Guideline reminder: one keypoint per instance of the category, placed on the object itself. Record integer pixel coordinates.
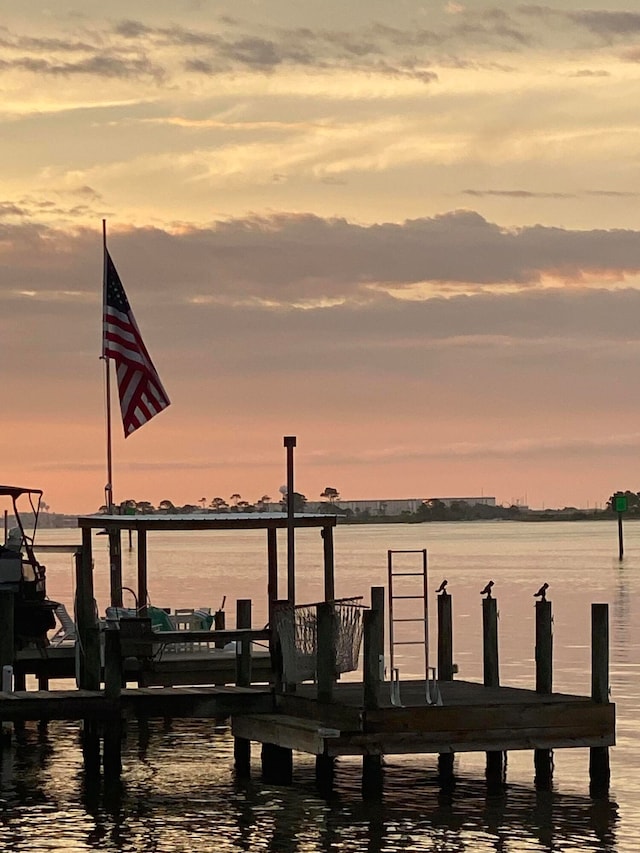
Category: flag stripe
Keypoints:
(140, 390)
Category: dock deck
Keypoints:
(472, 718)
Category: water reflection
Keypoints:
(183, 796)
(178, 791)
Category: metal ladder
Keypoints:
(432, 694)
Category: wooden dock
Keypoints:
(472, 718)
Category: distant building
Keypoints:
(389, 506)
(485, 501)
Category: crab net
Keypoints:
(297, 629)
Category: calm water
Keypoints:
(178, 790)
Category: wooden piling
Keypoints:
(445, 637)
(86, 620)
(7, 646)
(272, 570)
(373, 674)
(7, 629)
(496, 760)
(328, 563)
(277, 764)
(114, 727)
(325, 772)
(242, 746)
(599, 771)
(490, 642)
(373, 657)
(115, 566)
(325, 651)
(219, 624)
(543, 758)
(445, 673)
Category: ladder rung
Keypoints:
(398, 597)
(408, 643)
(407, 574)
(415, 619)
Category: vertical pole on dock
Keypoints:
(329, 567)
(88, 647)
(272, 570)
(445, 673)
(491, 670)
(7, 645)
(241, 745)
(373, 652)
(87, 624)
(599, 772)
(326, 675)
(445, 637)
(219, 624)
(495, 767)
(543, 758)
(115, 566)
(325, 650)
(7, 629)
(113, 727)
(373, 663)
(142, 572)
(290, 443)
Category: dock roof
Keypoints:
(205, 521)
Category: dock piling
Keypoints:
(242, 746)
(373, 651)
(445, 673)
(277, 764)
(496, 760)
(599, 771)
(543, 758)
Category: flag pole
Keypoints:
(108, 489)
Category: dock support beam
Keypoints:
(599, 772)
(242, 746)
(445, 673)
(277, 764)
(543, 758)
(373, 636)
(328, 561)
(326, 651)
(113, 728)
(7, 645)
(496, 760)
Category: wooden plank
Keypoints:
(290, 732)
(334, 715)
(200, 703)
(474, 720)
(414, 743)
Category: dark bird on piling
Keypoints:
(487, 590)
(442, 586)
(542, 592)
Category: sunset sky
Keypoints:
(406, 232)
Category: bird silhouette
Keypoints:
(542, 592)
(442, 586)
(487, 590)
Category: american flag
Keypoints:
(141, 393)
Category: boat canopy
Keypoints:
(15, 491)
